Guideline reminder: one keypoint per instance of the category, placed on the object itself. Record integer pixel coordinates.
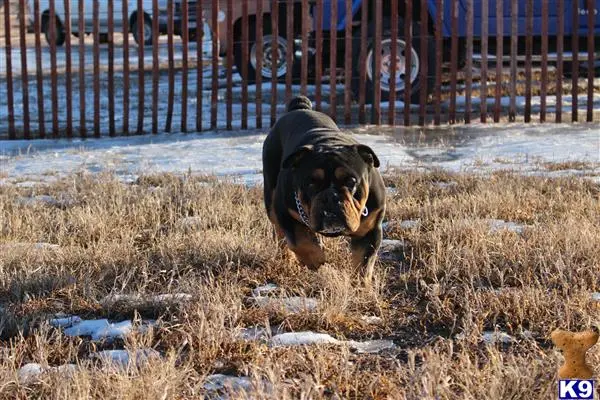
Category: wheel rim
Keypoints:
(386, 64)
(267, 62)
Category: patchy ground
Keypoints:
(171, 287)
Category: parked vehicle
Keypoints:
(427, 32)
(117, 18)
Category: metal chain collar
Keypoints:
(304, 217)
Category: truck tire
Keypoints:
(59, 30)
(147, 40)
(268, 42)
(416, 62)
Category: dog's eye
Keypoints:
(351, 183)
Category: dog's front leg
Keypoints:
(364, 251)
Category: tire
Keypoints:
(267, 53)
(416, 62)
(59, 32)
(147, 41)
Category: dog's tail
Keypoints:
(299, 103)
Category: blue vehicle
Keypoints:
(418, 31)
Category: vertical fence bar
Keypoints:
(199, 64)
(376, 109)
(454, 61)
(544, 83)
(424, 71)
(333, 60)
(53, 74)
(9, 80)
(155, 61)
(111, 68)
(184, 68)
(528, 56)
(214, 96)
(96, 34)
(514, 43)
(439, 60)
(560, 37)
(590, 51)
(230, 63)
(38, 68)
(408, 64)
(348, 66)
(24, 74)
(469, 62)
(171, 66)
(319, 53)
(364, 27)
(141, 84)
(394, 64)
(304, 60)
(289, 14)
(575, 64)
(82, 110)
(244, 70)
(259, 61)
(68, 69)
(274, 59)
(499, 56)
(484, 59)
(125, 18)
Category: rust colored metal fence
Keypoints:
(98, 67)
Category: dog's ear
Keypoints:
(367, 154)
(293, 159)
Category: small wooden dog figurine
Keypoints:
(574, 346)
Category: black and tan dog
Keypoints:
(320, 180)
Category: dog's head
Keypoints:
(332, 185)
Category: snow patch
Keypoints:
(596, 296)
(308, 338)
(410, 223)
(497, 225)
(137, 299)
(371, 319)
(65, 322)
(33, 371)
(493, 337)
(292, 305)
(123, 358)
(188, 224)
(265, 289)
(102, 329)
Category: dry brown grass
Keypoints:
(457, 278)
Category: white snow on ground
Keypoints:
(290, 305)
(32, 371)
(467, 148)
(123, 358)
(308, 338)
(99, 329)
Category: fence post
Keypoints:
(230, 62)
(82, 110)
(453, 61)
(141, 84)
(111, 68)
(274, 58)
(484, 59)
(199, 65)
(469, 62)
(348, 62)
(560, 37)
(333, 60)
(155, 61)
(499, 56)
(364, 26)
(590, 50)
(514, 43)
(39, 74)
(575, 64)
(53, 74)
(244, 71)
(96, 29)
(439, 60)
(214, 97)
(424, 71)
(528, 55)
(289, 16)
(24, 73)
(259, 62)
(184, 68)
(171, 66)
